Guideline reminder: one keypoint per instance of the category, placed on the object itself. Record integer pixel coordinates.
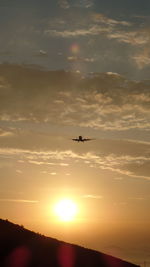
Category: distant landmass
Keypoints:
(20, 247)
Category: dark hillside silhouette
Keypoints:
(20, 247)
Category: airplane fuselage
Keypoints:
(81, 139)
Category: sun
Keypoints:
(65, 210)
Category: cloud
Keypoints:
(88, 3)
(18, 171)
(80, 59)
(93, 30)
(141, 61)
(101, 18)
(83, 3)
(7, 131)
(36, 162)
(64, 4)
(105, 101)
(142, 57)
(40, 162)
(42, 53)
(102, 27)
(132, 37)
(98, 24)
(18, 200)
(121, 157)
(137, 198)
(93, 196)
(4, 133)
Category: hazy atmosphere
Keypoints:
(71, 68)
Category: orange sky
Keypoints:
(70, 69)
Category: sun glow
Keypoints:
(65, 210)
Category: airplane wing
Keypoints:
(75, 139)
(87, 139)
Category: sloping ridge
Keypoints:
(20, 247)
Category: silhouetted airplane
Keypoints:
(81, 139)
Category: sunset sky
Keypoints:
(70, 68)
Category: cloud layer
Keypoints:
(100, 101)
(105, 101)
(128, 158)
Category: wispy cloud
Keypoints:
(99, 24)
(64, 4)
(41, 53)
(101, 18)
(36, 162)
(137, 198)
(102, 26)
(88, 3)
(83, 3)
(109, 102)
(40, 162)
(128, 165)
(92, 196)
(93, 30)
(4, 133)
(141, 61)
(81, 59)
(18, 200)
(18, 171)
(133, 38)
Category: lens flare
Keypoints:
(75, 48)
